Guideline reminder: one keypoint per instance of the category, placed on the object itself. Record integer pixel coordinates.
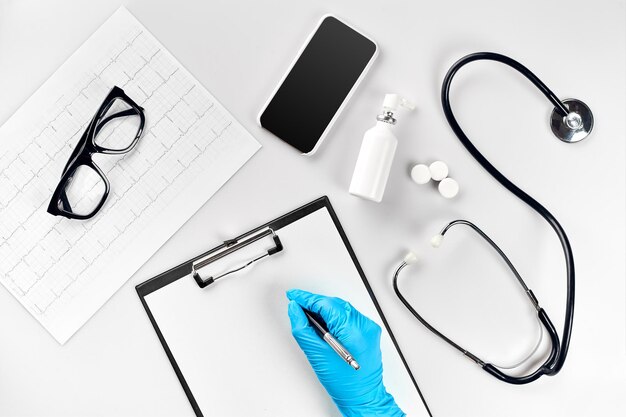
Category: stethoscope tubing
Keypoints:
(561, 353)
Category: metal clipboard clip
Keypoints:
(229, 247)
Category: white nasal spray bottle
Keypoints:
(377, 151)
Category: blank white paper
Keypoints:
(232, 340)
(61, 270)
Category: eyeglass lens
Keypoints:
(83, 192)
(118, 127)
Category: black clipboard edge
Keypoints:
(344, 237)
(170, 356)
(184, 269)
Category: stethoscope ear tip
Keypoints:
(436, 241)
(410, 258)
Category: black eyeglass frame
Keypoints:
(86, 147)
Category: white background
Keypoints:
(115, 366)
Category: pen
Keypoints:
(321, 329)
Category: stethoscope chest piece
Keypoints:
(574, 127)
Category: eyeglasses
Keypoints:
(114, 129)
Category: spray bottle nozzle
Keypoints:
(391, 104)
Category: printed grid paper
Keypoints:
(64, 270)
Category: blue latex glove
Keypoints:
(356, 393)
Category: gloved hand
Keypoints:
(356, 393)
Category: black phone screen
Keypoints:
(318, 84)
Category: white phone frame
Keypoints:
(348, 96)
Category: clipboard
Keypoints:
(229, 359)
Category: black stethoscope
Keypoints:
(571, 121)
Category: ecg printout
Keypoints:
(64, 270)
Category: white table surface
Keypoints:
(114, 365)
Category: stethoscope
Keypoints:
(571, 121)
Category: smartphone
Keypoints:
(318, 84)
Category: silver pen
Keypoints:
(321, 329)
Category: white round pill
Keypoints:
(438, 170)
(420, 174)
(448, 188)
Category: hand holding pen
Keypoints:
(319, 325)
(355, 392)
